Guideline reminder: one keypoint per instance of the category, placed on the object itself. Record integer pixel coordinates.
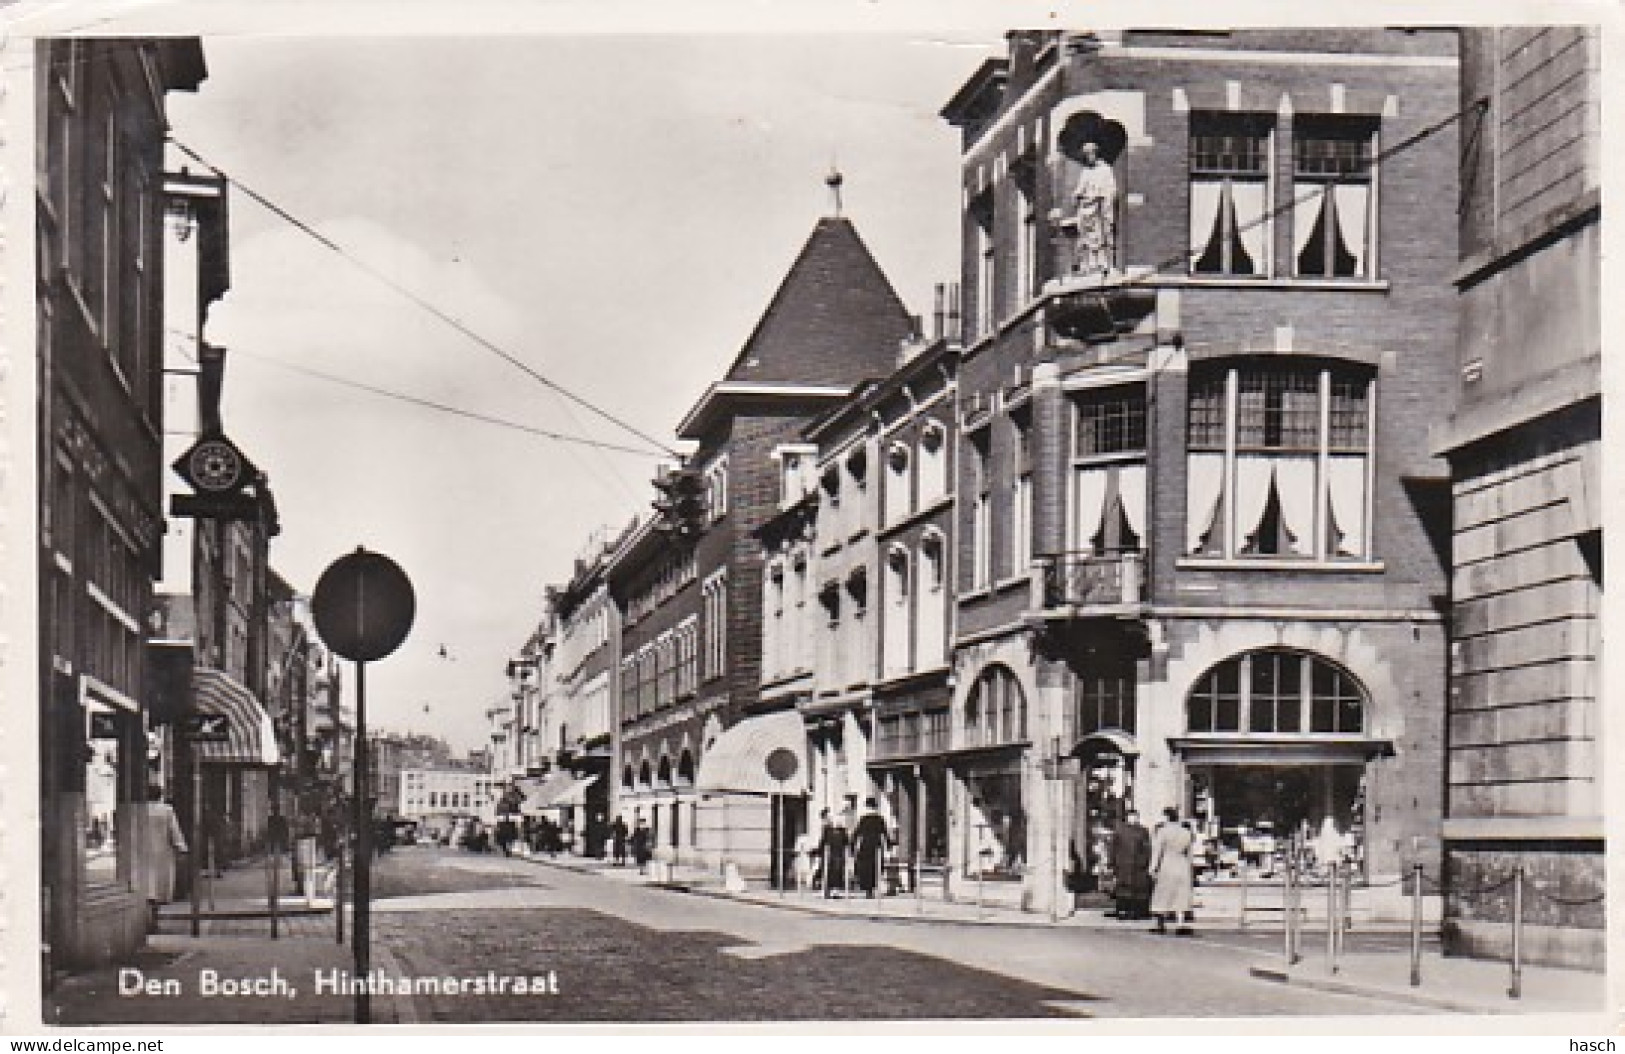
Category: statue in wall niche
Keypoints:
(1094, 203)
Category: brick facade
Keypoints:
(1374, 618)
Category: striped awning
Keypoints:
(737, 761)
(250, 739)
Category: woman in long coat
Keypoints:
(1171, 869)
(1131, 867)
(832, 846)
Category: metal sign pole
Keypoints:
(363, 849)
(197, 839)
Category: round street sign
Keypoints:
(363, 606)
(782, 765)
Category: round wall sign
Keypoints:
(216, 466)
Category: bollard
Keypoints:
(1331, 920)
(1416, 924)
(1241, 911)
(1345, 882)
(1516, 991)
(1286, 913)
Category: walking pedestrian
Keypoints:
(1131, 868)
(617, 841)
(832, 848)
(164, 846)
(1171, 895)
(641, 847)
(869, 843)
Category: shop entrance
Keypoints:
(1101, 796)
(1253, 815)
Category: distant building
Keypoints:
(438, 797)
(1526, 761)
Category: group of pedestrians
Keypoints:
(860, 852)
(637, 839)
(1154, 874)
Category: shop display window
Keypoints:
(996, 846)
(102, 765)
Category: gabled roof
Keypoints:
(835, 319)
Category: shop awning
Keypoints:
(250, 739)
(557, 791)
(737, 761)
(1218, 749)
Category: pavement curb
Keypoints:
(1344, 986)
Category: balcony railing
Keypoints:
(1088, 580)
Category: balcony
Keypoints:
(1084, 585)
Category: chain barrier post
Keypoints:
(1331, 919)
(1345, 899)
(1286, 912)
(1516, 990)
(1416, 924)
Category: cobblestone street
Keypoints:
(625, 952)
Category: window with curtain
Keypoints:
(1278, 460)
(1333, 204)
(1108, 473)
(1230, 156)
(1021, 494)
(985, 259)
(1277, 692)
(1024, 175)
(981, 525)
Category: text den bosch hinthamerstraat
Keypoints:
(274, 984)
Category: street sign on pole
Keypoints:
(782, 765)
(363, 608)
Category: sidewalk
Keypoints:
(243, 892)
(1459, 985)
(1472, 986)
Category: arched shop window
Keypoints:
(996, 708)
(1277, 691)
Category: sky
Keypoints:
(615, 210)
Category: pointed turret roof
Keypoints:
(835, 319)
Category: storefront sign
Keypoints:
(206, 728)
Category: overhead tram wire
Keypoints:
(430, 404)
(424, 304)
